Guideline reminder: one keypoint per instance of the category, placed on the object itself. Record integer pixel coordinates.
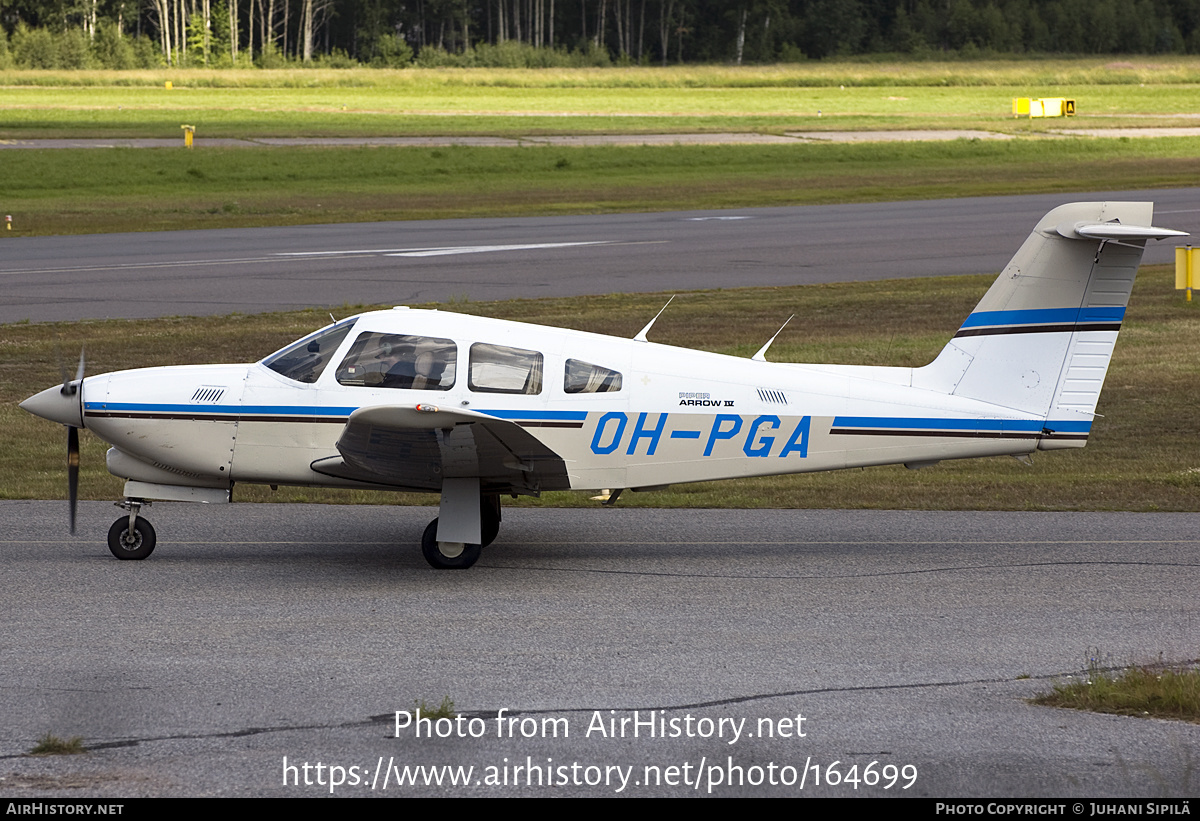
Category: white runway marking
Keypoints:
(443, 250)
(283, 256)
(480, 249)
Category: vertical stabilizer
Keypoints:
(1041, 338)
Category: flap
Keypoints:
(417, 446)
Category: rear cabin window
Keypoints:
(584, 377)
(379, 360)
(305, 360)
(497, 369)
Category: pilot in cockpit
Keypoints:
(396, 366)
(399, 361)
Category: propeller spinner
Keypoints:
(65, 406)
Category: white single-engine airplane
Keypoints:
(476, 408)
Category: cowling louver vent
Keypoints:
(774, 397)
(207, 393)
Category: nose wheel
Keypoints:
(131, 537)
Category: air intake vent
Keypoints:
(177, 471)
(207, 393)
(774, 397)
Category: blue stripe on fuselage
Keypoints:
(1043, 316)
(244, 410)
(305, 410)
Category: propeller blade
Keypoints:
(72, 472)
(62, 368)
(71, 387)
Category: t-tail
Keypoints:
(1042, 337)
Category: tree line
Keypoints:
(533, 33)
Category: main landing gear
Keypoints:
(131, 537)
(451, 555)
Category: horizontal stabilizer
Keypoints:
(1115, 231)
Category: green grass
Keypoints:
(444, 710)
(108, 190)
(1134, 70)
(53, 745)
(1143, 453)
(372, 102)
(32, 112)
(1150, 692)
(81, 191)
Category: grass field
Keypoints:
(31, 112)
(1132, 70)
(373, 102)
(107, 190)
(1143, 453)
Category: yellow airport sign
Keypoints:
(1187, 265)
(1043, 107)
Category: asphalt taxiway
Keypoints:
(259, 632)
(266, 269)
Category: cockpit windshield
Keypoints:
(306, 359)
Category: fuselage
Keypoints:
(619, 412)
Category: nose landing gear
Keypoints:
(131, 537)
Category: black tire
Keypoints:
(446, 555)
(139, 546)
(489, 519)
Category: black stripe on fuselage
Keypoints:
(961, 434)
(1040, 329)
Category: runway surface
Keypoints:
(268, 269)
(259, 632)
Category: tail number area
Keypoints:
(694, 436)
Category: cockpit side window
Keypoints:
(379, 360)
(584, 377)
(305, 360)
(498, 369)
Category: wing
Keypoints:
(416, 447)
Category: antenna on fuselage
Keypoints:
(761, 356)
(641, 335)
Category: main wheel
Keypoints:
(125, 545)
(489, 519)
(447, 555)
